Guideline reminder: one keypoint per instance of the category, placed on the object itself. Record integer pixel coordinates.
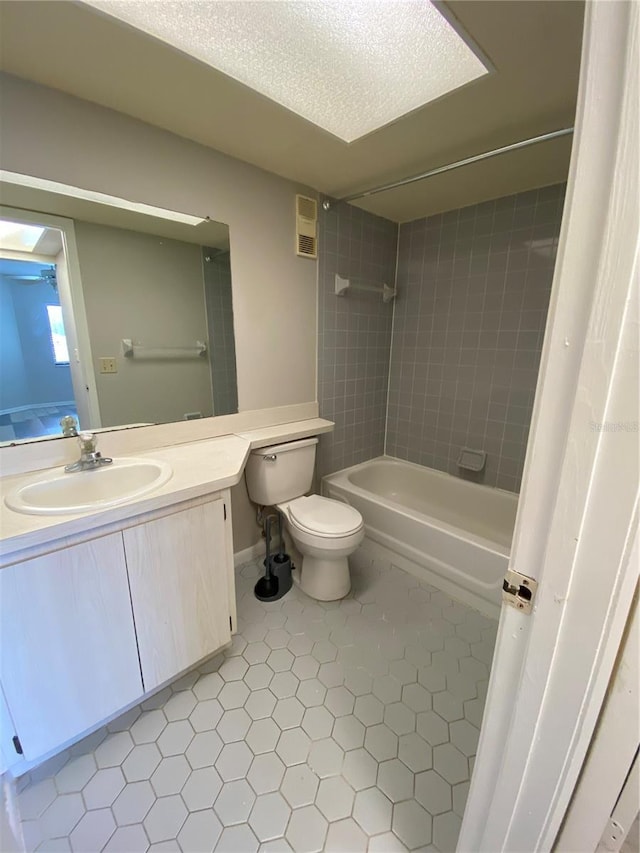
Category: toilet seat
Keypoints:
(324, 517)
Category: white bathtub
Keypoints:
(454, 534)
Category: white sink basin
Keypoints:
(82, 491)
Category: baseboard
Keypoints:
(248, 554)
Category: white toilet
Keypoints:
(325, 531)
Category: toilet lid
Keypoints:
(324, 516)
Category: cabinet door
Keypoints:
(69, 656)
(178, 575)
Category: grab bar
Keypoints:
(131, 350)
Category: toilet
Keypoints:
(325, 532)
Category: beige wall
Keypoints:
(52, 135)
(149, 289)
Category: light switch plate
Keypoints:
(108, 365)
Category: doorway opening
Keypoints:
(36, 390)
(43, 391)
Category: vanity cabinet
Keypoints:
(179, 579)
(91, 628)
(69, 654)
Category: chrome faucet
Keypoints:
(90, 458)
(69, 425)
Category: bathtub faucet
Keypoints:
(90, 458)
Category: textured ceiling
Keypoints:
(533, 46)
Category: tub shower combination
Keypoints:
(449, 532)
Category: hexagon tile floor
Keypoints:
(347, 726)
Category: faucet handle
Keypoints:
(87, 441)
(69, 425)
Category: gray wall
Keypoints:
(14, 390)
(354, 335)
(474, 288)
(149, 289)
(42, 380)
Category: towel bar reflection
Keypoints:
(131, 350)
(345, 284)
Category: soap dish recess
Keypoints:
(472, 460)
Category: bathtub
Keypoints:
(451, 533)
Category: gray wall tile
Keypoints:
(474, 288)
(219, 305)
(354, 335)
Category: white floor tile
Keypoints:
(360, 769)
(260, 704)
(170, 775)
(412, 824)
(133, 803)
(345, 836)
(395, 780)
(204, 749)
(372, 811)
(165, 818)
(266, 773)
(338, 726)
(335, 798)
(300, 785)
(307, 830)
(103, 788)
(234, 802)
(201, 789)
(93, 831)
(293, 746)
(200, 831)
(126, 839)
(269, 816)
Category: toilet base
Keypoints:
(325, 580)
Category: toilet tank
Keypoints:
(281, 472)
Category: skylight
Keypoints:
(18, 237)
(350, 67)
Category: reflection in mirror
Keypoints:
(110, 325)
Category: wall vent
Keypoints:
(306, 227)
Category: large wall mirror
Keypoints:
(111, 313)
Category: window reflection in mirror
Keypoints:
(73, 289)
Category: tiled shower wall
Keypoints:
(474, 288)
(222, 346)
(354, 335)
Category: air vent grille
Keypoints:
(307, 246)
(307, 207)
(306, 227)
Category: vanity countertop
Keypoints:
(199, 468)
(264, 436)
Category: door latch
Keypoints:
(519, 591)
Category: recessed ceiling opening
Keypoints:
(18, 237)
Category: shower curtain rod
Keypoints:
(524, 143)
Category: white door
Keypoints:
(178, 572)
(69, 656)
(577, 518)
(606, 800)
